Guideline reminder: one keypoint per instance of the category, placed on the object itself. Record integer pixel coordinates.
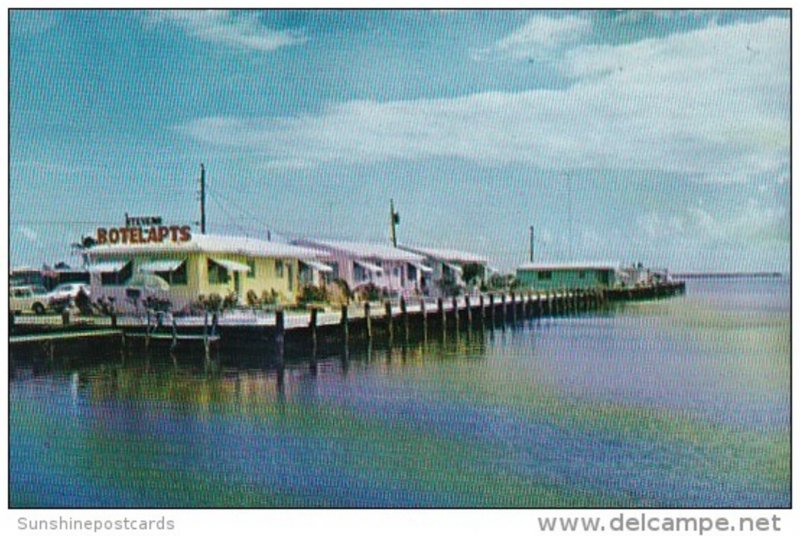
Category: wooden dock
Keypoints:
(280, 333)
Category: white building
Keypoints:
(449, 264)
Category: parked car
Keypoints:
(68, 290)
(28, 298)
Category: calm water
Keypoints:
(681, 402)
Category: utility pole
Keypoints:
(202, 199)
(531, 246)
(394, 219)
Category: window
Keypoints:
(217, 274)
(177, 276)
(289, 272)
(115, 279)
(412, 272)
(360, 273)
(252, 264)
(545, 276)
(335, 272)
(279, 268)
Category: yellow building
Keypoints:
(182, 272)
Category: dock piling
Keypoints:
(368, 320)
(279, 336)
(345, 325)
(389, 321)
(312, 325)
(424, 313)
(442, 315)
(404, 317)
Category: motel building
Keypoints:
(552, 276)
(399, 272)
(449, 263)
(181, 267)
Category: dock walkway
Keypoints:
(251, 329)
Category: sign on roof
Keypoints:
(143, 235)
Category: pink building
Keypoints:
(398, 272)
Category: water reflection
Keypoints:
(673, 403)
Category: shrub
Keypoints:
(213, 302)
(448, 286)
(252, 298)
(340, 293)
(269, 297)
(230, 301)
(311, 293)
(369, 292)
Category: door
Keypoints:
(237, 285)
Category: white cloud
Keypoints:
(238, 30)
(544, 32)
(541, 38)
(696, 103)
(755, 222)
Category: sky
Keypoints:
(653, 136)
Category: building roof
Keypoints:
(450, 255)
(209, 243)
(578, 265)
(364, 250)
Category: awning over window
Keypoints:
(231, 266)
(107, 267)
(374, 268)
(456, 268)
(318, 266)
(421, 267)
(161, 266)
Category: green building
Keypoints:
(573, 275)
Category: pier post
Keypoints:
(455, 311)
(442, 314)
(468, 307)
(368, 320)
(345, 325)
(175, 336)
(424, 317)
(482, 310)
(404, 317)
(279, 336)
(389, 321)
(312, 324)
(492, 308)
(513, 307)
(113, 319)
(505, 306)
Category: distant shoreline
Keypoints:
(727, 275)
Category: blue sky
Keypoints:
(620, 135)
